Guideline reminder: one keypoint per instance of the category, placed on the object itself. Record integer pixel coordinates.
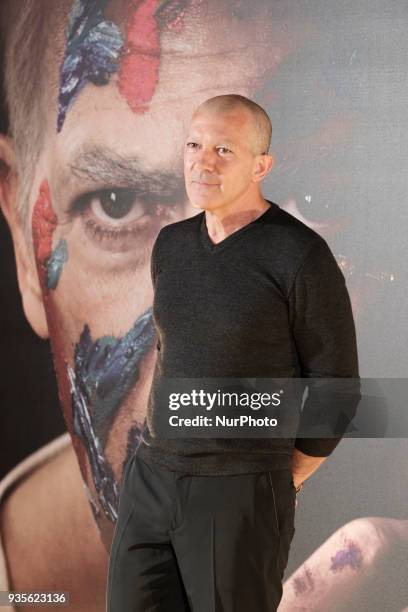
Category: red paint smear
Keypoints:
(44, 222)
(139, 66)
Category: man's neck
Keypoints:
(219, 226)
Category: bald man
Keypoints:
(242, 289)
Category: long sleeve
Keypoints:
(324, 333)
(154, 268)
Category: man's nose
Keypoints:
(206, 160)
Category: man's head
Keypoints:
(226, 152)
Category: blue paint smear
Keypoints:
(91, 55)
(351, 557)
(54, 264)
(104, 372)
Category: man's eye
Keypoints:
(191, 145)
(223, 150)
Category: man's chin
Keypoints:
(203, 205)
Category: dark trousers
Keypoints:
(200, 543)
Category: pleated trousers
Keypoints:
(200, 543)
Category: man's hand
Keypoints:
(303, 466)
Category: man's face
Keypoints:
(107, 180)
(219, 161)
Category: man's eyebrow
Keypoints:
(225, 141)
(99, 164)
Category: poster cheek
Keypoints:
(50, 264)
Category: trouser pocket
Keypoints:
(274, 504)
(284, 494)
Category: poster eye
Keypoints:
(111, 205)
(116, 203)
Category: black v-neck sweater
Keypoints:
(268, 301)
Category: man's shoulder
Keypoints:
(30, 464)
(290, 237)
(289, 225)
(15, 481)
(43, 510)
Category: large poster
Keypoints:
(96, 98)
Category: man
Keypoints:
(241, 290)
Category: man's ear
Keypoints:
(28, 281)
(263, 165)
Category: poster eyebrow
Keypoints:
(102, 165)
